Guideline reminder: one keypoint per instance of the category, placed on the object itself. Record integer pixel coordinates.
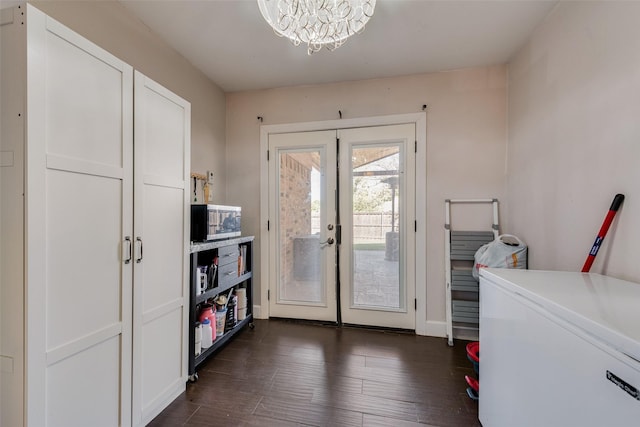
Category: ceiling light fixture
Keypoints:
(318, 23)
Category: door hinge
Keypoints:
(267, 155)
(268, 294)
(268, 225)
(415, 146)
(415, 226)
(415, 304)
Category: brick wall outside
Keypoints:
(295, 210)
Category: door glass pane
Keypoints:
(299, 216)
(376, 195)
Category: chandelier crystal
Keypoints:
(318, 23)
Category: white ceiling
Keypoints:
(231, 43)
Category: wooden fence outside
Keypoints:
(367, 227)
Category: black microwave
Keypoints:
(212, 222)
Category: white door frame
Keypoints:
(420, 121)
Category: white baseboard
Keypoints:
(257, 313)
(435, 329)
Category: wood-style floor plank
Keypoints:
(367, 404)
(287, 373)
(306, 412)
(377, 421)
(207, 417)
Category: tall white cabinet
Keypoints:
(94, 220)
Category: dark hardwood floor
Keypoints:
(286, 373)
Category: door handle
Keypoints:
(139, 240)
(126, 249)
(327, 242)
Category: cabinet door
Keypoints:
(160, 314)
(78, 211)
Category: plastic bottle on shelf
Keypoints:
(206, 334)
(208, 311)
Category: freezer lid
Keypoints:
(603, 306)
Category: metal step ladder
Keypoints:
(462, 290)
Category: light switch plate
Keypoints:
(210, 177)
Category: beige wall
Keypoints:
(109, 25)
(573, 110)
(574, 137)
(466, 139)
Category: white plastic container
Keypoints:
(198, 286)
(206, 334)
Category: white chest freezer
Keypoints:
(558, 349)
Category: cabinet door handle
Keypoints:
(126, 249)
(139, 240)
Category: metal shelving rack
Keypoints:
(201, 254)
(462, 290)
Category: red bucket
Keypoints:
(473, 354)
(473, 351)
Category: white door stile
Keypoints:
(35, 224)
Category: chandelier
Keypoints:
(318, 23)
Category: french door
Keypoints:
(342, 209)
(377, 216)
(302, 192)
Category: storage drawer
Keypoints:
(227, 254)
(228, 273)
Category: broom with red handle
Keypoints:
(617, 201)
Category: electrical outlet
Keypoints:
(210, 177)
